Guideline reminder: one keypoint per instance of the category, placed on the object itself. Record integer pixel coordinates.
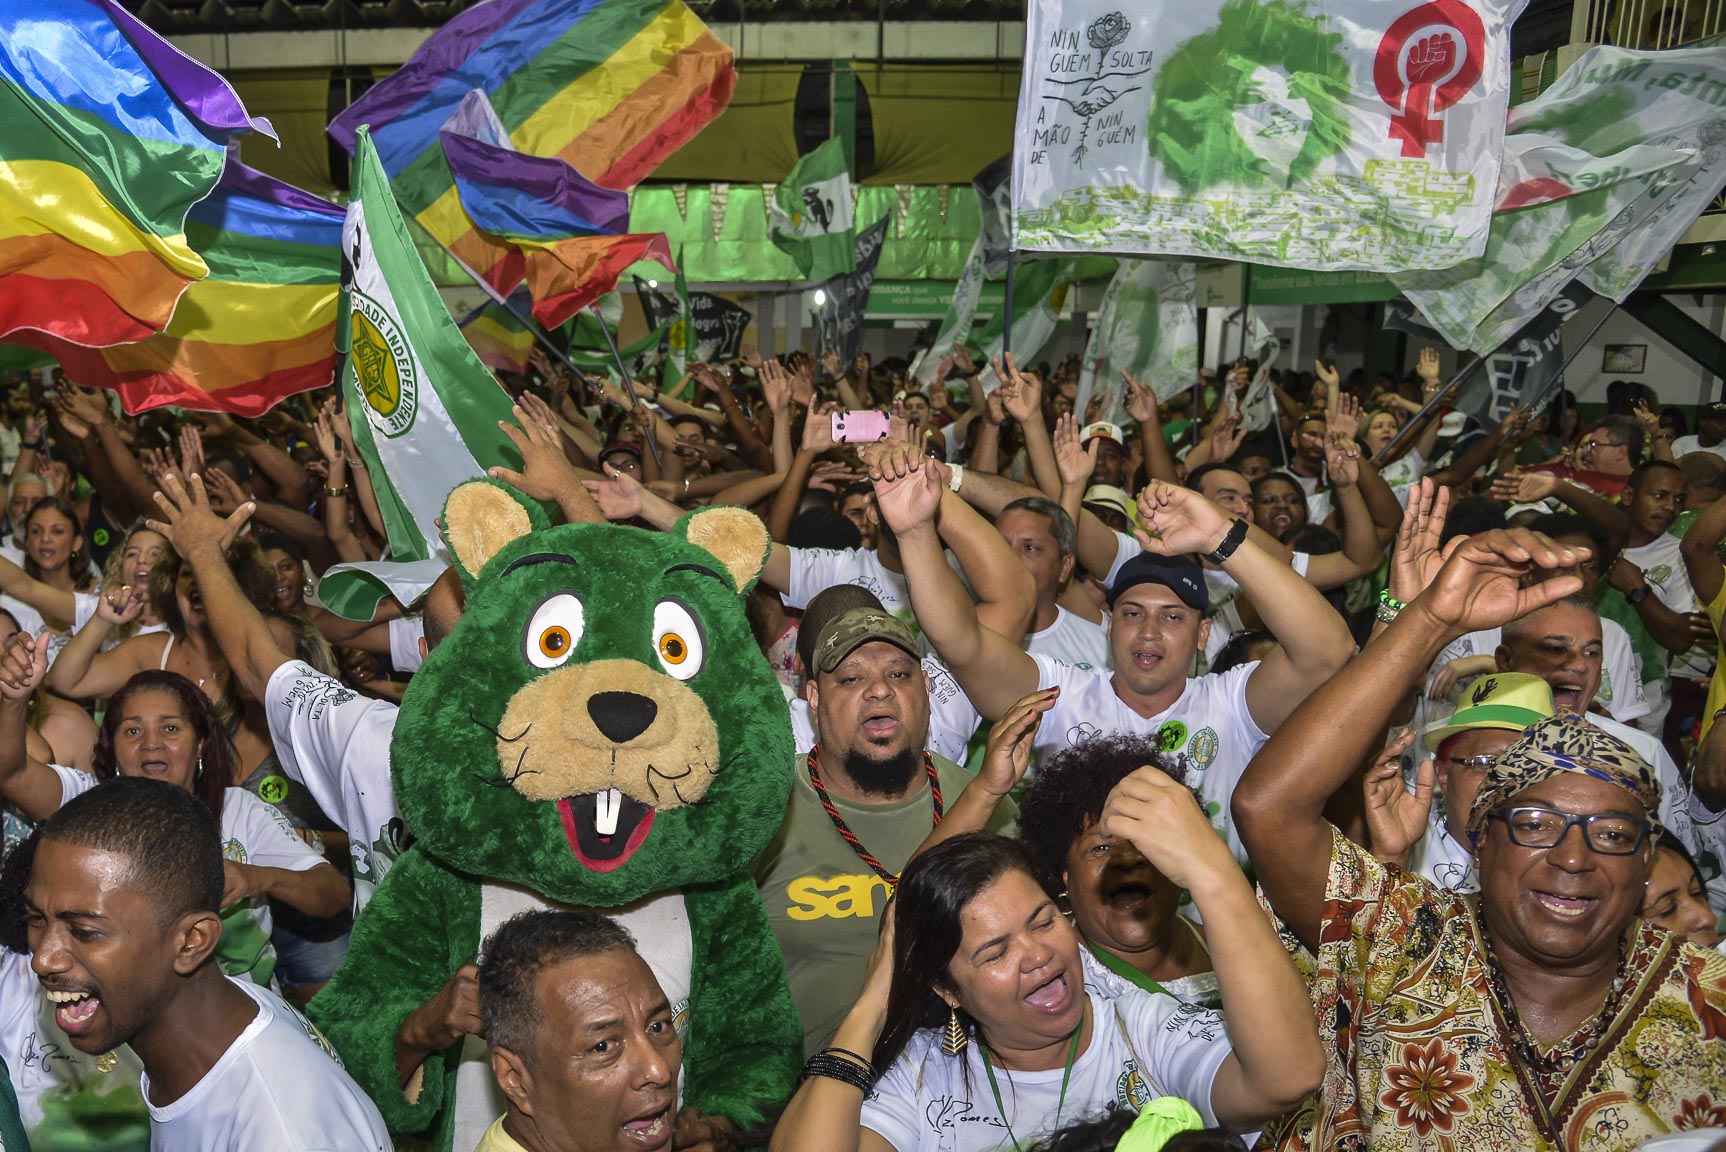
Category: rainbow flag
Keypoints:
(611, 87)
(568, 229)
(501, 340)
(108, 135)
(262, 325)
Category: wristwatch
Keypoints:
(1636, 596)
(1231, 541)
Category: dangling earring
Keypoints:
(953, 1038)
(200, 767)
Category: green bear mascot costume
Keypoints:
(598, 730)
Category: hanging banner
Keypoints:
(838, 321)
(1336, 134)
(1146, 327)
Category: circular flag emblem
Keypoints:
(383, 367)
(272, 789)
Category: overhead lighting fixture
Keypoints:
(820, 298)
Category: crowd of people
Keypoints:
(1350, 782)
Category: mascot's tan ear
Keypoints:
(736, 538)
(479, 518)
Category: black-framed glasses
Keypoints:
(1596, 445)
(1608, 833)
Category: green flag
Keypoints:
(1039, 296)
(813, 219)
(1147, 327)
(431, 408)
(1601, 175)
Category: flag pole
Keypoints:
(1406, 430)
(628, 384)
(527, 322)
(1007, 303)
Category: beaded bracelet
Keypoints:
(1388, 606)
(838, 1068)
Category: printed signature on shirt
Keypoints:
(950, 1111)
(318, 693)
(47, 1056)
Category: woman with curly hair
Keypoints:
(1127, 912)
(128, 566)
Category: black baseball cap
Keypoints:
(1185, 578)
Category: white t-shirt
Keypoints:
(1142, 1046)
(1071, 639)
(1620, 692)
(1439, 857)
(278, 1088)
(1209, 729)
(253, 832)
(1662, 563)
(40, 1058)
(952, 718)
(1685, 445)
(815, 570)
(406, 632)
(337, 743)
(1402, 472)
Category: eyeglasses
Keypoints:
(1608, 833)
(1481, 763)
(1593, 445)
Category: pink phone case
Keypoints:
(864, 426)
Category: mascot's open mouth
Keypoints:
(604, 828)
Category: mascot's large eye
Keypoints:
(677, 640)
(553, 632)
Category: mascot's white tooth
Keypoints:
(606, 807)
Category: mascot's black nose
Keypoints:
(621, 716)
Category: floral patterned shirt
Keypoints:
(1419, 1058)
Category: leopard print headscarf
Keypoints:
(1565, 744)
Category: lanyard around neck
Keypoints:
(1060, 1103)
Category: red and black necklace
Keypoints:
(844, 829)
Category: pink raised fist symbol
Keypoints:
(1431, 58)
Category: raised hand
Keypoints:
(190, 522)
(226, 495)
(775, 387)
(818, 429)
(1075, 462)
(1164, 822)
(448, 1016)
(1141, 401)
(1008, 752)
(1024, 402)
(619, 498)
(1227, 436)
(1327, 374)
(546, 473)
(1426, 367)
(120, 605)
(1395, 817)
(1524, 487)
(1344, 418)
(329, 445)
(1341, 458)
(191, 450)
(1417, 556)
(23, 664)
(1492, 578)
(1178, 520)
(907, 489)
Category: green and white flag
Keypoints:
(1322, 134)
(1148, 327)
(1039, 297)
(813, 217)
(430, 406)
(988, 257)
(1602, 174)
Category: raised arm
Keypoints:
(1277, 1059)
(1313, 641)
(201, 538)
(52, 602)
(1022, 397)
(82, 671)
(1142, 407)
(1701, 552)
(993, 670)
(1279, 804)
(1361, 551)
(546, 473)
(25, 782)
(1006, 593)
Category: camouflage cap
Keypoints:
(848, 632)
